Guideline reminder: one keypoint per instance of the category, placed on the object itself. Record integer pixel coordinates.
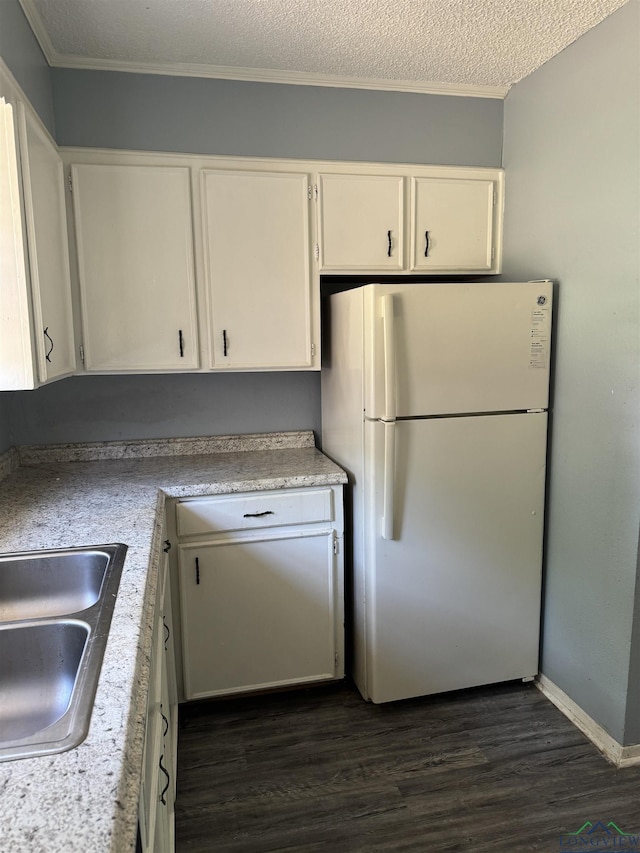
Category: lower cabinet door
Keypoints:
(258, 612)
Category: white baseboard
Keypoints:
(621, 756)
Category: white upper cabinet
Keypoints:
(409, 219)
(452, 224)
(361, 222)
(46, 220)
(258, 260)
(135, 265)
(36, 321)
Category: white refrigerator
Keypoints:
(434, 400)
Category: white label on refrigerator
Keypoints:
(540, 335)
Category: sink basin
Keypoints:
(55, 613)
(39, 666)
(51, 583)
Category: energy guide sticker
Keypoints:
(540, 335)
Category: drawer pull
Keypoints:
(258, 514)
(197, 570)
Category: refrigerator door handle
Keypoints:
(389, 351)
(389, 479)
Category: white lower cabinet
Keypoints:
(262, 590)
(158, 788)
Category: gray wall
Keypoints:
(572, 157)
(107, 109)
(186, 114)
(21, 52)
(98, 408)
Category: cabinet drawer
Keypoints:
(260, 509)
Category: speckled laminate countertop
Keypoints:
(86, 799)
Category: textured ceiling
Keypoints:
(485, 43)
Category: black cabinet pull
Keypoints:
(166, 723)
(50, 339)
(167, 546)
(166, 787)
(197, 570)
(225, 343)
(168, 633)
(258, 514)
(390, 244)
(426, 244)
(181, 343)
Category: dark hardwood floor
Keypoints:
(496, 768)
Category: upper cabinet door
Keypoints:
(16, 353)
(48, 249)
(135, 265)
(453, 224)
(361, 222)
(258, 262)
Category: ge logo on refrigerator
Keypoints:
(542, 300)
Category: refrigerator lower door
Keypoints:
(453, 600)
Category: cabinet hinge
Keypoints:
(313, 350)
(70, 182)
(493, 252)
(336, 659)
(82, 353)
(316, 252)
(495, 198)
(336, 547)
(309, 192)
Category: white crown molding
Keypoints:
(253, 75)
(621, 756)
(35, 22)
(269, 75)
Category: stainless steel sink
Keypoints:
(50, 584)
(55, 613)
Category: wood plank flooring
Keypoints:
(495, 768)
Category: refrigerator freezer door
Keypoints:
(458, 348)
(453, 600)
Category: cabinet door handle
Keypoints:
(166, 723)
(167, 546)
(166, 787)
(181, 343)
(50, 339)
(197, 570)
(390, 244)
(426, 244)
(225, 343)
(168, 632)
(258, 514)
